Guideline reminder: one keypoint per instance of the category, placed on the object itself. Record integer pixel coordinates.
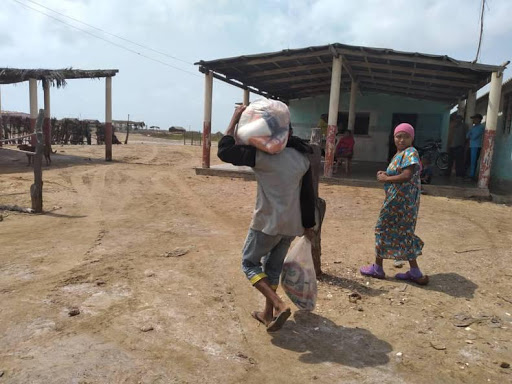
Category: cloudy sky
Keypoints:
(191, 30)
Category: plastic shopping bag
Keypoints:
(264, 124)
(298, 277)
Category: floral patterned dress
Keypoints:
(394, 232)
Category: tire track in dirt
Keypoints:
(216, 219)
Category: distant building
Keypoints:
(121, 125)
(177, 130)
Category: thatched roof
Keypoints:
(15, 114)
(56, 77)
(299, 73)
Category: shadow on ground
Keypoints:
(319, 340)
(350, 284)
(12, 162)
(452, 284)
(63, 216)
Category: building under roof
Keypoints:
(298, 73)
(329, 70)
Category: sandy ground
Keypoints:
(143, 243)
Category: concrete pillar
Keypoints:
(352, 106)
(47, 133)
(334, 101)
(108, 118)
(460, 107)
(491, 122)
(470, 107)
(246, 96)
(32, 88)
(207, 122)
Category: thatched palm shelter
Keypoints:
(57, 78)
(313, 71)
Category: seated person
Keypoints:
(426, 171)
(322, 124)
(345, 151)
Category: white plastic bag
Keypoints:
(298, 277)
(264, 124)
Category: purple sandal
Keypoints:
(421, 280)
(372, 271)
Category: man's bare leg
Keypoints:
(272, 302)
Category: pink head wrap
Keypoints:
(405, 127)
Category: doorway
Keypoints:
(398, 118)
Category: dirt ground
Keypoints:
(150, 255)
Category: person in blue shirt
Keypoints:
(475, 135)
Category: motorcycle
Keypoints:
(433, 151)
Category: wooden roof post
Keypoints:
(491, 121)
(315, 159)
(460, 107)
(47, 133)
(207, 123)
(108, 118)
(32, 88)
(470, 107)
(36, 189)
(352, 106)
(246, 96)
(334, 101)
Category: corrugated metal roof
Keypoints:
(298, 73)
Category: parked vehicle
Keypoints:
(433, 151)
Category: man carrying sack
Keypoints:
(285, 208)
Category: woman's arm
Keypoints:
(403, 177)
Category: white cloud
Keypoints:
(211, 29)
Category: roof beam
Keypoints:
(415, 78)
(421, 71)
(410, 92)
(241, 85)
(413, 94)
(291, 79)
(295, 87)
(397, 56)
(368, 67)
(273, 59)
(348, 68)
(386, 83)
(279, 71)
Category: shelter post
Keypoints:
(108, 118)
(47, 134)
(470, 107)
(460, 107)
(315, 160)
(207, 123)
(491, 122)
(334, 100)
(352, 106)
(246, 96)
(36, 189)
(32, 88)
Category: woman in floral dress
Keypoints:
(394, 232)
